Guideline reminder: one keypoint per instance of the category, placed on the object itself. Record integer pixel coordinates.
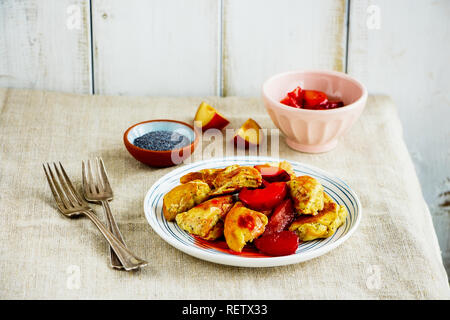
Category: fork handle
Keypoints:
(128, 259)
(112, 225)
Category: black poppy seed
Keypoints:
(161, 140)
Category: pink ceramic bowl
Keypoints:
(314, 130)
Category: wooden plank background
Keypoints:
(406, 55)
(45, 45)
(265, 37)
(156, 47)
(228, 47)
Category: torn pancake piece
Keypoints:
(322, 225)
(206, 219)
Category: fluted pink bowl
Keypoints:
(314, 131)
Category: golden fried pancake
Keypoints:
(204, 220)
(243, 225)
(322, 225)
(286, 166)
(307, 194)
(184, 197)
(228, 180)
(205, 175)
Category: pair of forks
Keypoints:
(97, 190)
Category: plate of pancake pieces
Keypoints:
(252, 211)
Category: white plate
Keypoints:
(183, 241)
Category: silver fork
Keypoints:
(71, 204)
(98, 190)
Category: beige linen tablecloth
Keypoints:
(393, 254)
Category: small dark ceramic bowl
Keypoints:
(160, 158)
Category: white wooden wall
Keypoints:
(407, 56)
(45, 44)
(156, 47)
(264, 37)
(228, 47)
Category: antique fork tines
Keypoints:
(71, 204)
(97, 189)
